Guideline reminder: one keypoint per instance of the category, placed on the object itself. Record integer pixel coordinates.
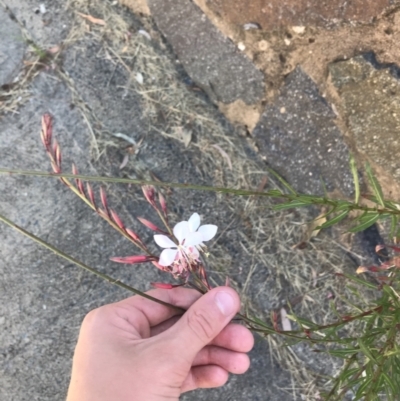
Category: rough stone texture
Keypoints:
(12, 48)
(47, 29)
(271, 14)
(211, 59)
(370, 95)
(298, 136)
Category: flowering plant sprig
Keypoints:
(183, 244)
(371, 354)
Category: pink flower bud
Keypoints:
(163, 286)
(150, 225)
(130, 260)
(55, 146)
(117, 220)
(47, 129)
(79, 184)
(103, 198)
(91, 194)
(133, 235)
(58, 155)
(149, 193)
(55, 168)
(163, 203)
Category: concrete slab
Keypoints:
(369, 94)
(211, 59)
(298, 137)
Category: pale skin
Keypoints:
(139, 350)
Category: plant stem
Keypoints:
(86, 267)
(307, 200)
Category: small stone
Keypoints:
(287, 41)
(42, 9)
(251, 25)
(241, 46)
(2, 320)
(299, 29)
(139, 78)
(282, 110)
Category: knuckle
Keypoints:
(201, 325)
(96, 315)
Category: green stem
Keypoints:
(83, 266)
(308, 199)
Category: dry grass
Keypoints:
(266, 238)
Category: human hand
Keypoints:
(139, 350)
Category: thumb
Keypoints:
(204, 320)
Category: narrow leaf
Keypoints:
(290, 205)
(366, 223)
(375, 185)
(354, 171)
(361, 281)
(283, 182)
(367, 352)
(335, 220)
(344, 353)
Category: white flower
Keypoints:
(190, 236)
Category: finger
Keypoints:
(235, 337)
(233, 362)
(203, 321)
(153, 313)
(205, 377)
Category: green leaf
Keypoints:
(290, 205)
(366, 222)
(366, 351)
(375, 185)
(389, 382)
(344, 353)
(335, 220)
(363, 388)
(354, 171)
(361, 281)
(282, 181)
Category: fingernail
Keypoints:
(225, 303)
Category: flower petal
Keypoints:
(167, 257)
(193, 239)
(164, 241)
(194, 222)
(208, 231)
(181, 231)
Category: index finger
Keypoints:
(154, 312)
